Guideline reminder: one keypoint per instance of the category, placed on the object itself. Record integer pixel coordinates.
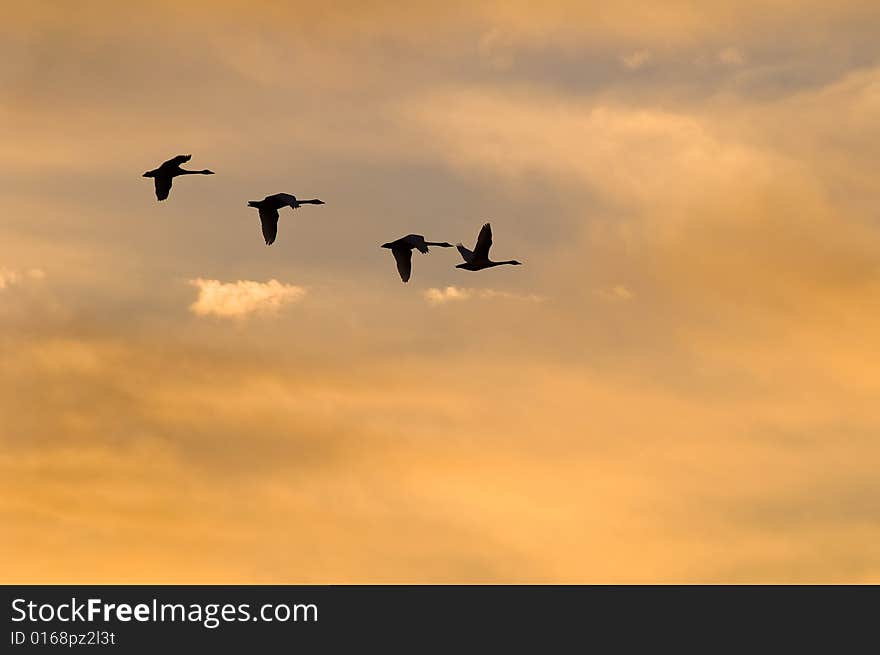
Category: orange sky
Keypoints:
(678, 386)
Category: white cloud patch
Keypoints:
(243, 298)
(10, 277)
(617, 293)
(437, 296)
(636, 60)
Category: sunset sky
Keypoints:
(679, 385)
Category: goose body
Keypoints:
(164, 174)
(268, 208)
(478, 258)
(402, 250)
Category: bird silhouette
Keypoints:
(478, 258)
(268, 208)
(402, 250)
(163, 175)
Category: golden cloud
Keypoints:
(692, 400)
(9, 277)
(436, 296)
(243, 298)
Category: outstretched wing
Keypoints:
(484, 242)
(163, 186)
(417, 241)
(269, 219)
(282, 199)
(466, 254)
(403, 257)
(177, 161)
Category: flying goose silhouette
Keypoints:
(402, 251)
(478, 259)
(269, 207)
(163, 175)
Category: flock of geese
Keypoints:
(474, 260)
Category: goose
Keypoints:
(478, 258)
(269, 207)
(402, 250)
(163, 175)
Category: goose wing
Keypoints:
(466, 254)
(282, 200)
(416, 241)
(403, 257)
(269, 220)
(177, 161)
(163, 186)
(484, 242)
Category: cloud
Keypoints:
(495, 50)
(439, 296)
(752, 251)
(617, 293)
(657, 494)
(10, 277)
(636, 60)
(436, 296)
(611, 148)
(244, 297)
(732, 56)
